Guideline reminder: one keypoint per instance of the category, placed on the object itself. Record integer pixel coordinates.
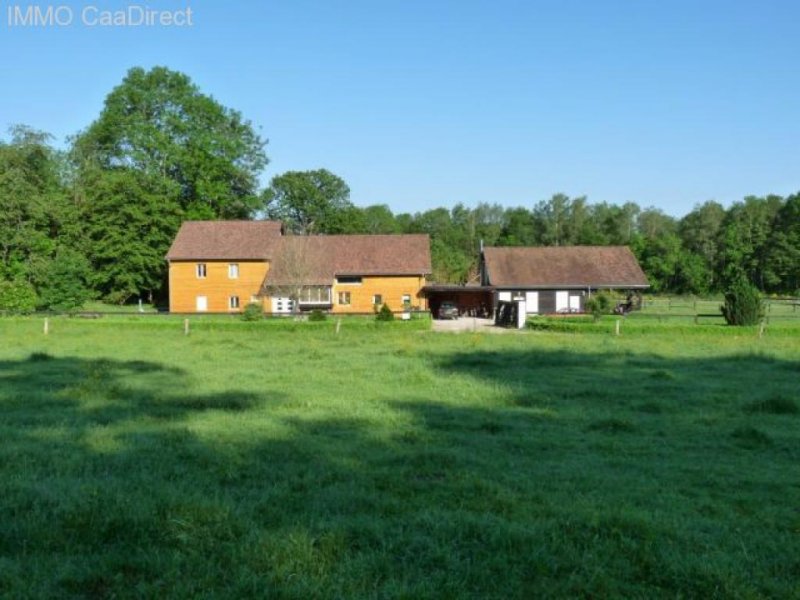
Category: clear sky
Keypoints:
(419, 104)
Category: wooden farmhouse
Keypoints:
(553, 279)
(221, 266)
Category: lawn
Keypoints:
(281, 460)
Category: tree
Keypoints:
(159, 125)
(552, 217)
(700, 233)
(745, 235)
(130, 223)
(743, 304)
(34, 206)
(297, 263)
(378, 219)
(782, 264)
(160, 152)
(518, 229)
(308, 201)
(63, 282)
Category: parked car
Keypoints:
(448, 310)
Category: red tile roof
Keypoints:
(564, 266)
(225, 240)
(317, 260)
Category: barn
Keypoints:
(558, 279)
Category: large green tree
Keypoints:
(128, 228)
(783, 249)
(160, 152)
(744, 241)
(159, 124)
(41, 230)
(310, 201)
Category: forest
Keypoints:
(94, 220)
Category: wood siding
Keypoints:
(185, 286)
(390, 288)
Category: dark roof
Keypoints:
(455, 287)
(564, 266)
(317, 260)
(225, 240)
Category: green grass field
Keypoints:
(280, 460)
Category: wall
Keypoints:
(184, 286)
(391, 288)
(547, 298)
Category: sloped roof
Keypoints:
(564, 266)
(225, 240)
(317, 260)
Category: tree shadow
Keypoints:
(112, 487)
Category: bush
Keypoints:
(599, 305)
(317, 315)
(743, 304)
(17, 297)
(385, 314)
(252, 312)
(63, 282)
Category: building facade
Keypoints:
(222, 266)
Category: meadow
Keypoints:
(284, 460)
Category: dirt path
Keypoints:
(469, 324)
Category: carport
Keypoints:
(471, 300)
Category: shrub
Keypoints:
(17, 297)
(599, 305)
(385, 314)
(63, 282)
(252, 312)
(317, 315)
(743, 304)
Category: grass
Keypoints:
(279, 459)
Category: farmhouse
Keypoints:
(221, 266)
(555, 279)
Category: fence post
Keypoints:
(338, 325)
(46, 326)
(761, 329)
(186, 327)
(616, 328)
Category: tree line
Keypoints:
(94, 221)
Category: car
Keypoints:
(448, 310)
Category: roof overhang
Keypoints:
(572, 286)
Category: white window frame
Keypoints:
(347, 295)
(201, 270)
(375, 300)
(197, 304)
(234, 303)
(403, 300)
(317, 295)
(233, 271)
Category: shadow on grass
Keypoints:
(563, 486)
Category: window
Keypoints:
(233, 271)
(201, 271)
(315, 294)
(348, 280)
(202, 303)
(233, 302)
(344, 298)
(406, 299)
(377, 300)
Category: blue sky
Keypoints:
(424, 104)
